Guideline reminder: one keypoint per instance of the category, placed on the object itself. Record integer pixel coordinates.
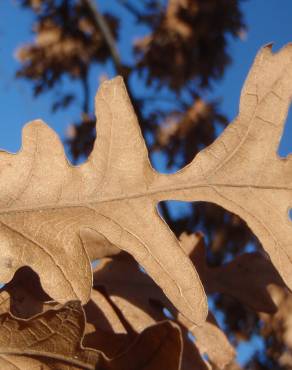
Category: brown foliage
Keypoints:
(67, 42)
(57, 218)
(225, 232)
(184, 23)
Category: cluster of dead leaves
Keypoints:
(184, 23)
(124, 325)
(57, 219)
(67, 42)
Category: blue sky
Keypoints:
(267, 21)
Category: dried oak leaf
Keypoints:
(241, 170)
(53, 341)
(52, 337)
(45, 202)
(247, 278)
(141, 303)
(157, 347)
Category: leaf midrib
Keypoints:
(156, 191)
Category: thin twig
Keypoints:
(106, 32)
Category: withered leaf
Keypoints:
(241, 170)
(53, 336)
(141, 303)
(51, 201)
(53, 341)
(101, 314)
(45, 202)
(157, 346)
(104, 330)
(246, 278)
(278, 327)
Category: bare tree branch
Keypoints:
(106, 32)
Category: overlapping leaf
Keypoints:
(54, 336)
(247, 278)
(53, 341)
(45, 203)
(141, 303)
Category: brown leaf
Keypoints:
(67, 42)
(53, 336)
(104, 330)
(211, 340)
(141, 302)
(131, 290)
(191, 358)
(180, 35)
(278, 327)
(100, 313)
(157, 347)
(246, 278)
(45, 202)
(241, 170)
(53, 341)
(11, 362)
(41, 217)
